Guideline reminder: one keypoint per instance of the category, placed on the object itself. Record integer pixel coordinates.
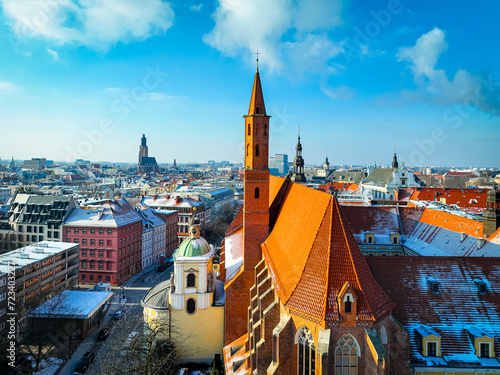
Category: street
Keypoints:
(108, 351)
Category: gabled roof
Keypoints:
(379, 177)
(311, 253)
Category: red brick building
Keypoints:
(110, 238)
(300, 298)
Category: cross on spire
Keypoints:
(257, 53)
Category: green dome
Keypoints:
(193, 247)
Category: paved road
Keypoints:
(110, 349)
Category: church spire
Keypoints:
(257, 106)
(298, 164)
(395, 164)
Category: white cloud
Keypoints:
(196, 8)
(340, 92)
(7, 87)
(94, 23)
(434, 85)
(278, 29)
(424, 54)
(54, 55)
(140, 95)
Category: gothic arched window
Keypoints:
(265, 129)
(257, 193)
(190, 306)
(346, 356)
(191, 280)
(306, 353)
(257, 150)
(248, 150)
(249, 129)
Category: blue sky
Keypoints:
(85, 79)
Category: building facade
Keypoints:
(41, 271)
(40, 218)
(110, 239)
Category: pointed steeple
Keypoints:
(395, 164)
(298, 164)
(257, 106)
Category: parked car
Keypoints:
(118, 315)
(103, 334)
(84, 363)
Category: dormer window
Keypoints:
(481, 286)
(431, 341)
(369, 238)
(431, 348)
(481, 341)
(434, 284)
(347, 304)
(394, 238)
(485, 350)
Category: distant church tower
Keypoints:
(256, 177)
(395, 164)
(326, 165)
(491, 218)
(298, 165)
(143, 149)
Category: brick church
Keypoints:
(300, 298)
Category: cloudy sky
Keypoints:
(86, 78)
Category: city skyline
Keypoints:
(87, 81)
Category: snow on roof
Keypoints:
(27, 255)
(71, 304)
(426, 331)
(111, 215)
(233, 254)
(457, 310)
(150, 216)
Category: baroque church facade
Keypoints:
(300, 298)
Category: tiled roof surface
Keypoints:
(236, 224)
(381, 221)
(311, 253)
(468, 199)
(430, 240)
(452, 222)
(449, 312)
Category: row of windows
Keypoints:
(84, 231)
(100, 265)
(109, 253)
(92, 242)
(83, 277)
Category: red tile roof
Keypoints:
(452, 222)
(311, 253)
(468, 199)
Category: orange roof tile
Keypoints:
(452, 222)
(311, 253)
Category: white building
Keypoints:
(4, 195)
(153, 237)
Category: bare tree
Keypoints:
(149, 352)
(50, 327)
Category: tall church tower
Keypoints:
(395, 164)
(256, 177)
(298, 165)
(143, 149)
